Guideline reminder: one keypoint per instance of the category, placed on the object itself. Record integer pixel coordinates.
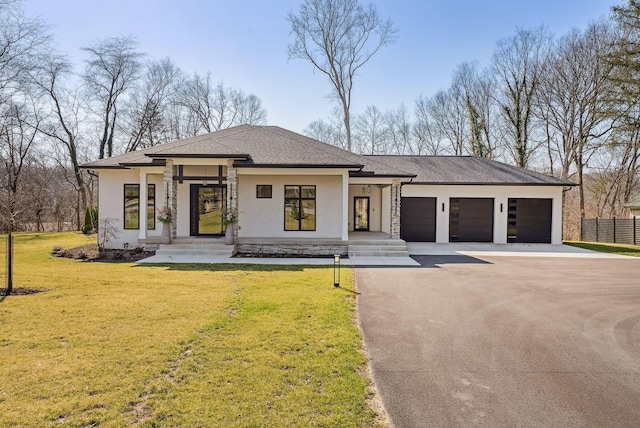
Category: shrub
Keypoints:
(90, 225)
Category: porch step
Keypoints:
(195, 249)
(378, 248)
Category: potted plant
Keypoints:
(165, 217)
(229, 217)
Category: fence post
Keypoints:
(614, 230)
(597, 227)
(635, 242)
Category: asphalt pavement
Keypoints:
(502, 341)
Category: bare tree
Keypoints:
(146, 124)
(112, 68)
(17, 136)
(21, 40)
(210, 107)
(517, 65)
(63, 125)
(427, 138)
(571, 101)
(475, 91)
(327, 132)
(399, 130)
(338, 37)
(371, 132)
(450, 114)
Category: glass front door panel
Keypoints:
(211, 204)
(361, 214)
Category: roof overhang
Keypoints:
(197, 156)
(291, 165)
(442, 183)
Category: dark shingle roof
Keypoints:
(466, 170)
(252, 146)
(271, 146)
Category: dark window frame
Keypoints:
(300, 199)
(151, 206)
(151, 202)
(264, 187)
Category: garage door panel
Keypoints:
(471, 220)
(530, 220)
(418, 219)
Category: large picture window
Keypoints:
(132, 206)
(299, 207)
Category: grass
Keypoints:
(177, 345)
(623, 249)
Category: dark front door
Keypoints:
(361, 213)
(207, 205)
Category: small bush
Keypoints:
(90, 225)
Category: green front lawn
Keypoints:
(625, 250)
(115, 344)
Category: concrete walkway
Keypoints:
(360, 261)
(415, 249)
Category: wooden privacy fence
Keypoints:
(611, 230)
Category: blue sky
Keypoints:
(244, 43)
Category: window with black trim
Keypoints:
(264, 191)
(151, 207)
(300, 208)
(132, 206)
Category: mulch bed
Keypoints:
(22, 291)
(91, 253)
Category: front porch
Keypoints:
(370, 248)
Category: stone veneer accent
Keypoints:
(169, 183)
(293, 249)
(232, 194)
(396, 191)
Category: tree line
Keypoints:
(566, 106)
(54, 118)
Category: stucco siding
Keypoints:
(264, 217)
(375, 210)
(111, 204)
(500, 194)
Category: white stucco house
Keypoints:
(297, 195)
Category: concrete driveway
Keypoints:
(500, 341)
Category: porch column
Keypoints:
(170, 190)
(395, 208)
(232, 195)
(345, 206)
(142, 221)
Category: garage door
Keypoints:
(471, 220)
(418, 219)
(529, 220)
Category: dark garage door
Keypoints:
(418, 219)
(529, 220)
(471, 220)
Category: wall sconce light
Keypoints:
(336, 270)
(368, 189)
